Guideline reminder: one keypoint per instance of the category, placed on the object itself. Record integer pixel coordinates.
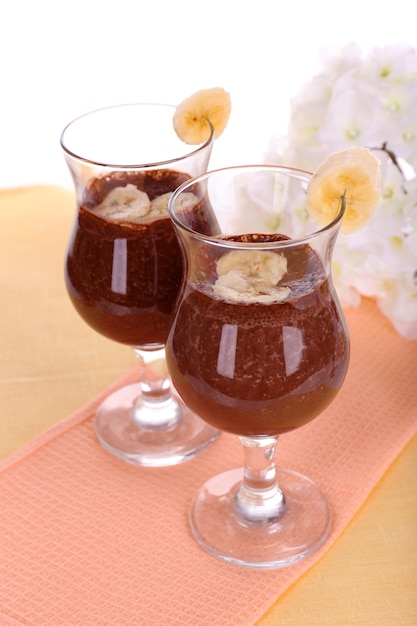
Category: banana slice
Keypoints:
(191, 115)
(251, 276)
(353, 173)
(159, 205)
(128, 204)
(187, 200)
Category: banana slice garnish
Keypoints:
(353, 173)
(250, 276)
(191, 115)
(124, 204)
(130, 204)
(159, 205)
(186, 200)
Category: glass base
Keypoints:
(298, 532)
(161, 445)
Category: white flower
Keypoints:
(395, 63)
(372, 102)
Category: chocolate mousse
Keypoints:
(259, 367)
(124, 270)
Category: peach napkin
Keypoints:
(88, 539)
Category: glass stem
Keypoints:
(259, 498)
(156, 406)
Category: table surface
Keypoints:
(51, 363)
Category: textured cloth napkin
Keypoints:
(88, 539)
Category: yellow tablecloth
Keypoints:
(51, 363)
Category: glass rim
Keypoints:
(121, 166)
(217, 240)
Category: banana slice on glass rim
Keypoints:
(191, 115)
(353, 173)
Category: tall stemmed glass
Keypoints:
(258, 347)
(124, 267)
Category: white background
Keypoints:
(62, 58)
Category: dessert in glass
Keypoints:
(124, 267)
(258, 347)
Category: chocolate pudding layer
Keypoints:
(124, 271)
(256, 368)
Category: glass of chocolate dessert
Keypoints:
(124, 267)
(258, 347)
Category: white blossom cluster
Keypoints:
(369, 101)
